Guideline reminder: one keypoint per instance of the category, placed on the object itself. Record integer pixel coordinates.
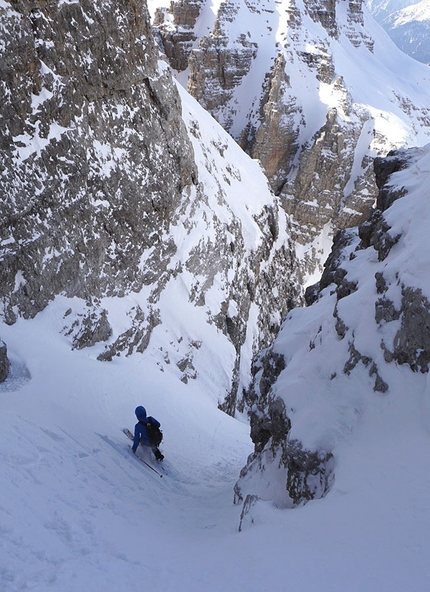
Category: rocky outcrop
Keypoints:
(333, 272)
(174, 30)
(411, 344)
(4, 362)
(278, 110)
(303, 474)
(314, 177)
(355, 25)
(219, 65)
(324, 12)
(362, 318)
(310, 473)
(395, 160)
(315, 197)
(88, 328)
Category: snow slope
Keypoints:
(375, 75)
(387, 6)
(420, 11)
(79, 512)
(410, 28)
(408, 23)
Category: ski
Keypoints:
(131, 437)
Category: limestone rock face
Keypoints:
(95, 155)
(316, 195)
(220, 64)
(275, 142)
(114, 188)
(175, 30)
(324, 12)
(286, 80)
(302, 474)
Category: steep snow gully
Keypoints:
(79, 512)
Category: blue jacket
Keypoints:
(140, 431)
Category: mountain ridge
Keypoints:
(296, 91)
(408, 25)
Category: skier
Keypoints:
(141, 435)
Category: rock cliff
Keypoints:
(117, 194)
(368, 318)
(290, 82)
(95, 155)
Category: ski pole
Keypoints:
(152, 468)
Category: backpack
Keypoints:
(154, 433)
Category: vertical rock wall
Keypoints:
(94, 154)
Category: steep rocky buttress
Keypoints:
(111, 186)
(95, 155)
(369, 312)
